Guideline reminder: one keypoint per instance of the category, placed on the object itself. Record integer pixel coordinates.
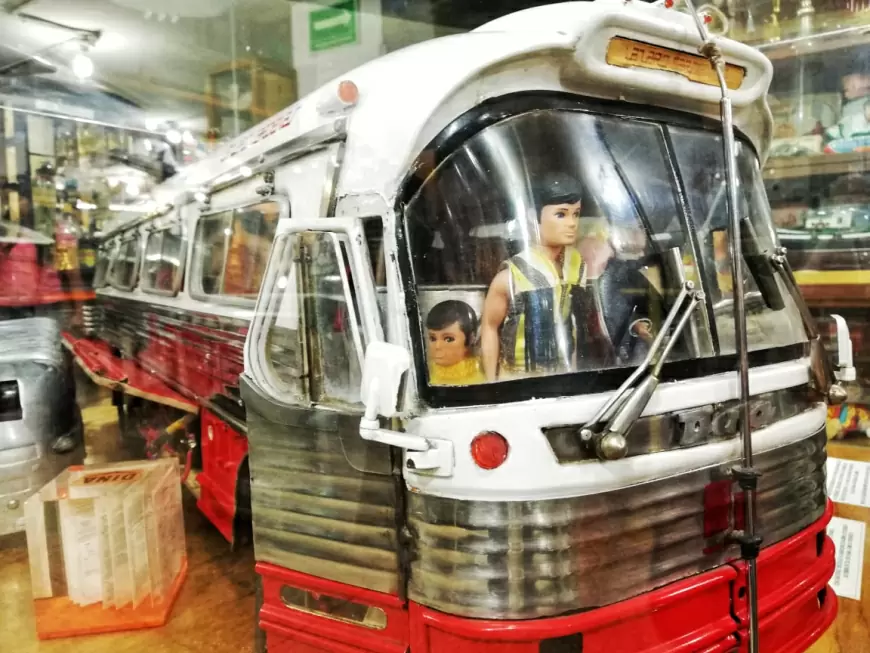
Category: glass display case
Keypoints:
(818, 174)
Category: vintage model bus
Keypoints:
(499, 391)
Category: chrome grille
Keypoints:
(526, 559)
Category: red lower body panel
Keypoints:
(223, 451)
(795, 604)
(304, 614)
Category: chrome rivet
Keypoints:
(12, 504)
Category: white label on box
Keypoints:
(848, 481)
(848, 536)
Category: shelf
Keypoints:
(797, 167)
(840, 39)
(835, 31)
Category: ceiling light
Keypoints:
(173, 136)
(82, 66)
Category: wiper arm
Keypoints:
(606, 432)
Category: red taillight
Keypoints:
(489, 450)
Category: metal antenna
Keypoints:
(745, 475)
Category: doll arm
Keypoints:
(495, 310)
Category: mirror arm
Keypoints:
(370, 427)
(822, 375)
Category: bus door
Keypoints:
(326, 503)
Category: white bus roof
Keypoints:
(409, 96)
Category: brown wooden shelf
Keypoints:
(796, 167)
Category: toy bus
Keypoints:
(462, 323)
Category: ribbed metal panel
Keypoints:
(527, 559)
(200, 354)
(313, 511)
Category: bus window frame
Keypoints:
(122, 240)
(108, 249)
(365, 317)
(194, 276)
(178, 277)
(437, 151)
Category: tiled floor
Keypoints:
(214, 612)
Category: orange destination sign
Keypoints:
(627, 53)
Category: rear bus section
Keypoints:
(490, 378)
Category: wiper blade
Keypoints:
(606, 432)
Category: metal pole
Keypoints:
(742, 357)
(749, 541)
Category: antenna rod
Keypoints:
(745, 475)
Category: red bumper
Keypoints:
(702, 614)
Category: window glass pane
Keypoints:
(772, 317)
(151, 264)
(126, 263)
(252, 230)
(333, 321)
(232, 249)
(210, 251)
(285, 346)
(164, 260)
(554, 241)
(104, 258)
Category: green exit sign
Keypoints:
(333, 26)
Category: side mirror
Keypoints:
(845, 367)
(384, 366)
(382, 375)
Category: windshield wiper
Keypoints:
(606, 432)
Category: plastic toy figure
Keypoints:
(631, 304)
(527, 323)
(452, 335)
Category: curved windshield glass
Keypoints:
(557, 241)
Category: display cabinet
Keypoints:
(245, 92)
(818, 174)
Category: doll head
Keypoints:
(557, 205)
(452, 331)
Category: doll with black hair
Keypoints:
(538, 316)
(452, 335)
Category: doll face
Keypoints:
(559, 224)
(447, 346)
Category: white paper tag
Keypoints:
(848, 536)
(848, 481)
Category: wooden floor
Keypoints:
(213, 614)
(851, 631)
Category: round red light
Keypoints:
(348, 92)
(489, 450)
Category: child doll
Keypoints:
(452, 330)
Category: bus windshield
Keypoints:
(557, 240)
